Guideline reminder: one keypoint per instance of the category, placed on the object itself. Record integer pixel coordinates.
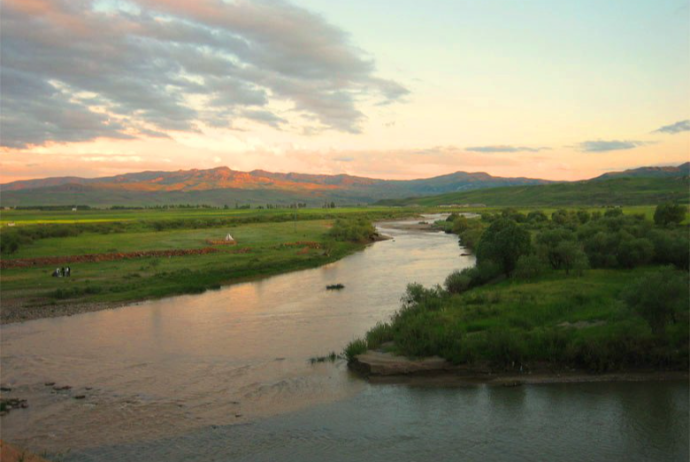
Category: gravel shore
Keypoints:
(17, 312)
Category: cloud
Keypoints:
(678, 127)
(503, 148)
(76, 70)
(613, 145)
(344, 159)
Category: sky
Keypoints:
(400, 89)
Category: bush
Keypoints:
(355, 348)
(458, 282)
(378, 335)
(356, 230)
(530, 267)
(537, 216)
(504, 242)
(460, 224)
(667, 214)
(613, 212)
(659, 297)
(548, 242)
(671, 247)
(572, 257)
(635, 252)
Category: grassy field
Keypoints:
(619, 191)
(260, 251)
(32, 217)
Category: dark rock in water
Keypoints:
(80, 397)
(6, 405)
(335, 287)
(5, 389)
(49, 384)
(64, 387)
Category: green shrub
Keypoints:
(358, 230)
(660, 297)
(504, 242)
(355, 348)
(668, 214)
(530, 267)
(379, 334)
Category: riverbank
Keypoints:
(112, 270)
(286, 258)
(10, 453)
(556, 322)
(118, 270)
(386, 368)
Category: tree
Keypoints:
(659, 297)
(635, 252)
(560, 217)
(537, 216)
(614, 212)
(571, 256)
(668, 213)
(530, 267)
(548, 242)
(504, 242)
(583, 216)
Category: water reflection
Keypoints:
(402, 423)
(242, 350)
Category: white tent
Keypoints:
(229, 238)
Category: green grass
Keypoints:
(513, 323)
(257, 234)
(620, 191)
(33, 217)
(144, 278)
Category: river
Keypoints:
(225, 375)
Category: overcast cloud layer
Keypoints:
(76, 70)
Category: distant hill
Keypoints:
(650, 172)
(222, 185)
(615, 191)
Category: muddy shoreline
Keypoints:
(450, 379)
(12, 313)
(384, 368)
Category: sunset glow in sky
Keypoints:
(557, 89)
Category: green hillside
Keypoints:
(619, 191)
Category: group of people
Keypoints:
(62, 272)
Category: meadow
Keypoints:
(612, 192)
(267, 242)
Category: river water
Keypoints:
(225, 376)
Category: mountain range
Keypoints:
(220, 186)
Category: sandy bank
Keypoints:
(383, 367)
(9, 453)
